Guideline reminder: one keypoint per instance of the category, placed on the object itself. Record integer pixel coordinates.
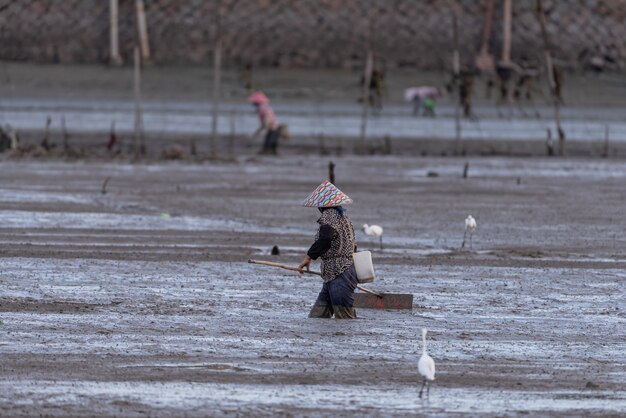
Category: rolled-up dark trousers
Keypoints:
(271, 141)
(337, 297)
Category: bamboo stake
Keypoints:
(487, 27)
(103, 190)
(369, 64)
(456, 69)
(115, 57)
(551, 78)
(217, 75)
(45, 143)
(605, 151)
(217, 67)
(484, 60)
(367, 79)
(66, 145)
(142, 30)
(138, 140)
(233, 132)
(506, 42)
(549, 144)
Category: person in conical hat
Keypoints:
(268, 123)
(334, 244)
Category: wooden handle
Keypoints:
(371, 292)
(286, 267)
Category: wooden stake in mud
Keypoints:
(550, 144)
(369, 65)
(217, 76)
(331, 172)
(553, 83)
(103, 190)
(112, 137)
(233, 132)
(506, 41)
(115, 57)
(64, 135)
(456, 71)
(217, 59)
(367, 80)
(321, 140)
(142, 30)
(45, 143)
(484, 60)
(605, 151)
(139, 142)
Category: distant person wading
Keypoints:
(334, 244)
(273, 131)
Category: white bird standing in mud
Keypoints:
(426, 366)
(374, 231)
(470, 226)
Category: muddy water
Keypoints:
(139, 302)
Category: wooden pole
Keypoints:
(217, 75)
(233, 132)
(142, 30)
(484, 60)
(506, 41)
(66, 145)
(557, 118)
(217, 69)
(549, 144)
(115, 57)
(367, 77)
(551, 78)
(112, 137)
(605, 151)
(456, 70)
(46, 143)
(484, 48)
(139, 147)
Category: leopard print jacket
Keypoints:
(338, 258)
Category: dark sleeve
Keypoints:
(323, 243)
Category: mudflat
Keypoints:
(140, 302)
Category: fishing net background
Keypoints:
(309, 34)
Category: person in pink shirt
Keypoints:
(268, 122)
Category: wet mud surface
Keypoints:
(140, 302)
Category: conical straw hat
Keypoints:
(327, 195)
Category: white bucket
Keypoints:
(364, 267)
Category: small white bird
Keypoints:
(470, 226)
(426, 366)
(374, 231)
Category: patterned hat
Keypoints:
(327, 195)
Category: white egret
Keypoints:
(374, 231)
(426, 366)
(470, 226)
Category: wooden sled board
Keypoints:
(388, 301)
